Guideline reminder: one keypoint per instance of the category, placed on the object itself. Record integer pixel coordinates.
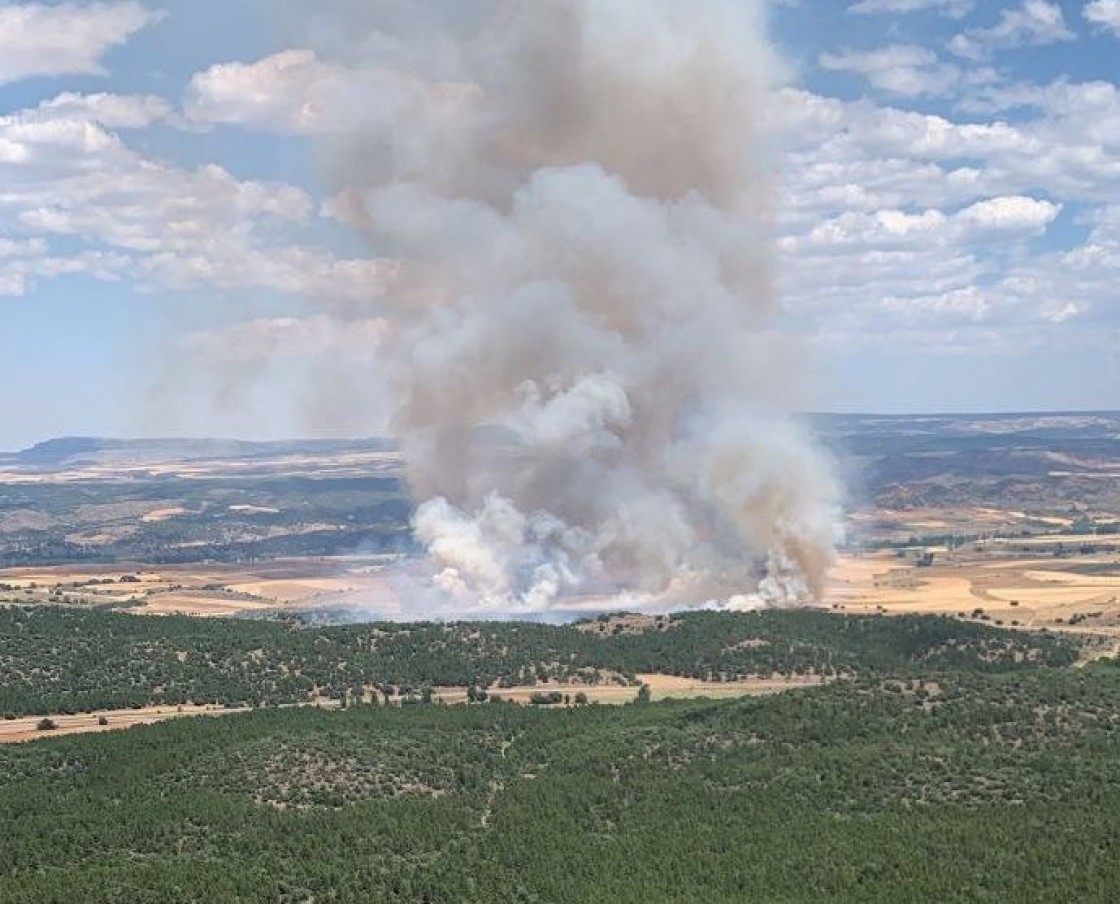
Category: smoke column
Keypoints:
(591, 388)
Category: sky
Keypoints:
(175, 261)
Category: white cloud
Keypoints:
(37, 39)
(1015, 214)
(1033, 23)
(112, 111)
(10, 248)
(296, 92)
(968, 302)
(14, 257)
(1105, 13)
(65, 173)
(954, 8)
(902, 229)
(898, 156)
(892, 229)
(293, 91)
(22, 262)
(905, 70)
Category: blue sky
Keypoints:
(947, 214)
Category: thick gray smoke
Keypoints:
(592, 391)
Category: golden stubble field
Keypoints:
(23, 729)
(1043, 582)
(213, 590)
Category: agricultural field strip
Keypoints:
(663, 687)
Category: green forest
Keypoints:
(947, 761)
(967, 786)
(56, 660)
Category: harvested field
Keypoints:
(672, 686)
(18, 731)
(662, 687)
(211, 590)
(995, 583)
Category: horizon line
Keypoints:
(894, 415)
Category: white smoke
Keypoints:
(592, 389)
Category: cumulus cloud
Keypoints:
(293, 92)
(906, 70)
(23, 262)
(1104, 13)
(1011, 214)
(38, 39)
(1033, 23)
(109, 111)
(67, 174)
(900, 229)
(921, 231)
(897, 156)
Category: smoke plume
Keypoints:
(592, 390)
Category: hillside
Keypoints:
(58, 660)
(972, 787)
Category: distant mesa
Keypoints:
(87, 451)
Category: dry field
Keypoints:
(662, 687)
(887, 524)
(17, 731)
(212, 590)
(665, 687)
(350, 464)
(1014, 583)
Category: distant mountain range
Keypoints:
(87, 450)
